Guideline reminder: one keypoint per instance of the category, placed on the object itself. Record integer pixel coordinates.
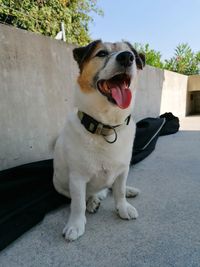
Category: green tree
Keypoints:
(184, 61)
(45, 16)
(153, 57)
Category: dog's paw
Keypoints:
(131, 191)
(73, 231)
(127, 211)
(93, 204)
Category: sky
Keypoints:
(163, 24)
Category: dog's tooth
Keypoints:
(125, 84)
(101, 86)
(105, 86)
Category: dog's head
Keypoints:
(109, 69)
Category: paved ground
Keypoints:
(167, 232)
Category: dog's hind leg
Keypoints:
(93, 204)
(131, 191)
(94, 201)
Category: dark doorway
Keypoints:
(194, 102)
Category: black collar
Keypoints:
(96, 127)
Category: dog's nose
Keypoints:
(125, 59)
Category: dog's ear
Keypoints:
(81, 54)
(140, 61)
(139, 57)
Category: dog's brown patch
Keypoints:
(89, 69)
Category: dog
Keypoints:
(94, 149)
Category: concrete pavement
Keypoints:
(166, 233)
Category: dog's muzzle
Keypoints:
(117, 87)
(117, 90)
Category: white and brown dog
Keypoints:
(94, 149)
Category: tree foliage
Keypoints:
(153, 57)
(184, 61)
(45, 16)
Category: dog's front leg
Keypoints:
(124, 209)
(76, 223)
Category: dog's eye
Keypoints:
(102, 53)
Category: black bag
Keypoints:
(147, 132)
(26, 195)
(171, 125)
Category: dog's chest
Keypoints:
(98, 161)
(103, 177)
(104, 165)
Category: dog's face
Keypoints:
(109, 69)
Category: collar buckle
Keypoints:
(99, 128)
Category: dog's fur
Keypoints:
(85, 164)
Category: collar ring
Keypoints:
(115, 138)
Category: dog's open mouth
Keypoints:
(117, 90)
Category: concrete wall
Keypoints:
(160, 91)
(37, 76)
(149, 93)
(174, 93)
(36, 81)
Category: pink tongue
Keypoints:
(122, 96)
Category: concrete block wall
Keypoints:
(174, 93)
(149, 93)
(37, 77)
(160, 91)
